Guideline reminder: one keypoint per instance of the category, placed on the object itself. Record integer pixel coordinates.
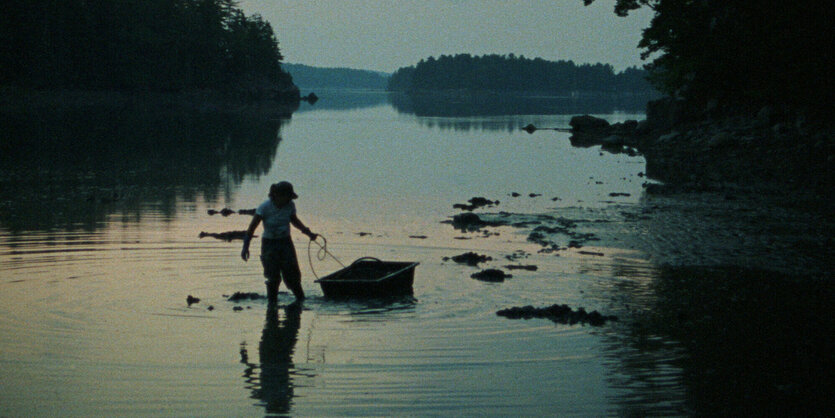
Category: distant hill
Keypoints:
(307, 77)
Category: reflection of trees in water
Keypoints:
(272, 381)
(468, 104)
(345, 99)
(709, 341)
(75, 167)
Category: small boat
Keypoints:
(369, 276)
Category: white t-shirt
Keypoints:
(276, 220)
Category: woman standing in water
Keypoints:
(278, 255)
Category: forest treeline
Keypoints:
(739, 51)
(517, 73)
(140, 45)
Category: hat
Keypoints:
(283, 188)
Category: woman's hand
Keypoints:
(245, 250)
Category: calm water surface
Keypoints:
(99, 250)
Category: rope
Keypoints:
(320, 254)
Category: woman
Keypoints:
(278, 255)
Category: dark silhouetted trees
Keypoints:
(511, 73)
(140, 45)
(739, 51)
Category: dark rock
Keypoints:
(191, 300)
(467, 222)
(225, 236)
(471, 259)
(521, 267)
(227, 212)
(630, 125)
(239, 296)
(311, 98)
(587, 123)
(530, 128)
(418, 236)
(615, 194)
(475, 203)
(237, 308)
(491, 275)
(561, 314)
(612, 141)
(514, 194)
(663, 114)
(591, 253)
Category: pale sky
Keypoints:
(384, 35)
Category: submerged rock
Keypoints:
(310, 98)
(471, 222)
(239, 296)
(227, 212)
(470, 259)
(475, 203)
(491, 275)
(225, 236)
(191, 300)
(561, 314)
(529, 267)
(224, 212)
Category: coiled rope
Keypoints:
(320, 254)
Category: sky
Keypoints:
(384, 35)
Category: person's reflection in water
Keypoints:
(275, 386)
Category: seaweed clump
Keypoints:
(561, 314)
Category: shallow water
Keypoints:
(98, 252)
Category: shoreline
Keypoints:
(772, 151)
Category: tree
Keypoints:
(158, 45)
(512, 73)
(738, 50)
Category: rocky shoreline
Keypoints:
(771, 149)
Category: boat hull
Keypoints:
(368, 277)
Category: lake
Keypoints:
(102, 210)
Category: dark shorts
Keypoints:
(278, 256)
